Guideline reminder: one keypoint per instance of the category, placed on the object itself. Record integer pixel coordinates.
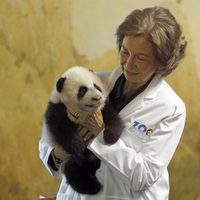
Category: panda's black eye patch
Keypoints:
(97, 87)
(82, 91)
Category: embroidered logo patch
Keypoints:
(142, 128)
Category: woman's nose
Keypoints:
(129, 63)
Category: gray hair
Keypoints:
(160, 27)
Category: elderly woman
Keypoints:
(150, 45)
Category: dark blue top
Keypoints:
(120, 100)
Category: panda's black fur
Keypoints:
(80, 169)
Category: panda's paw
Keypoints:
(95, 186)
(110, 137)
(90, 186)
(82, 178)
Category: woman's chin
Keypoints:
(130, 75)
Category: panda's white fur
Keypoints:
(77, 77)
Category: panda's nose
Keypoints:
(97, 98)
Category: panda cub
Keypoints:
(81, 91)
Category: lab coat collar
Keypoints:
(149, 93)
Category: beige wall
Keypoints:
(39, 39)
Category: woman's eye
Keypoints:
(141, 58)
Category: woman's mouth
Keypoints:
(131, 73)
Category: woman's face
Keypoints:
(137, 60)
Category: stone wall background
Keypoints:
(39, 39)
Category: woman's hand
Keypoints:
(85, 134)
(94, 123)
(91, 127)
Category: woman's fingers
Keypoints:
(82, 131)
(85, 134)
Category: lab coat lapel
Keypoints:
(133, 105)
(138, 102)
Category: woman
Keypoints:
(150, 45)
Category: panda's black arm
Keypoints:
(62, 129)
(113, 124)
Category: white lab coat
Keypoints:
(135, 167)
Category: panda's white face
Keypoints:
(84, 90)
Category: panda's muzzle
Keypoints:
(91, 106)
(94, 105)
(96, 98)
(96, 102)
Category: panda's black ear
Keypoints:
(59, 84)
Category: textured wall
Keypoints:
(39, 39)
(35, 47)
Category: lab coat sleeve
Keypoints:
(44, 153)
(140, 169)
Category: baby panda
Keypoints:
(79, 91)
